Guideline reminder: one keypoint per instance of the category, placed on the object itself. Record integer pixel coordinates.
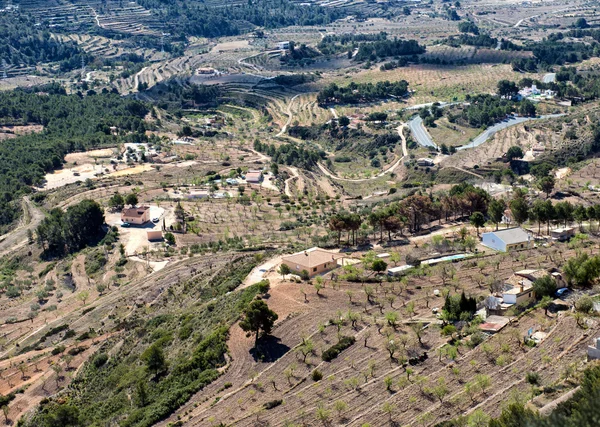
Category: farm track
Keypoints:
(18, 237)
(391, 169)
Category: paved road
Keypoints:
(420, 133)
(488, 133)
(549, 78)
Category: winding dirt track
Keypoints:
(391, 169)
(18, 237)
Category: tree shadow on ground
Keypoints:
(269, 349)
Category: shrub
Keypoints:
(317, 375)
(334, 351)
(273, 404)
(584, 304)
(100, 360)
(57, 350)
(87, 310)
(13, 292)
(533, 378)
(76, 350)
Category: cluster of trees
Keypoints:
(380, 49)
(392, 65)
(413, 212)
(356, 93)
(71, 123)
(486, 110)
(336, 43)
(290, 154)
(553, 51)
(298, 55)
(200, 19)
(117, 201)
(459, 307)
(582, 270)
(174, 96)
(66, 232)
(480, 40)
(468, 27)
(22, 42)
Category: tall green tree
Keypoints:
(496, 210)
(477, 220)
(258, 317)
(519, 209)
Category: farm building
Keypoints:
(198, 194)
(283, 45)
(137, 216)
(399, 271)
(254, 177)
(507, 240)
(425, 162)
(313, 260)
(562, 234)
(154, 235)
(594, 350)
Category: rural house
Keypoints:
(254, 177)
(507, 240)
(137, 216)
(314, 260)
(283, 45)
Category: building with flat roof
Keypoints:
(137, 216)
(507, 240)
(562, 234)
(314, 261)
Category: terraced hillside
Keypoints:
(125, 17)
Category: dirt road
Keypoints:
(290, 117)
(391, 169)
(32, 217)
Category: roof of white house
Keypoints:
(312, 257)
(511, 236)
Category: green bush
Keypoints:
(273, 404)
(100, 360)
(334, 351)
(317, 375)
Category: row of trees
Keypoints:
(362, 92)
(331, 44)
(413, 212)
(385, 48)
(486, 110)
(290, 154)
